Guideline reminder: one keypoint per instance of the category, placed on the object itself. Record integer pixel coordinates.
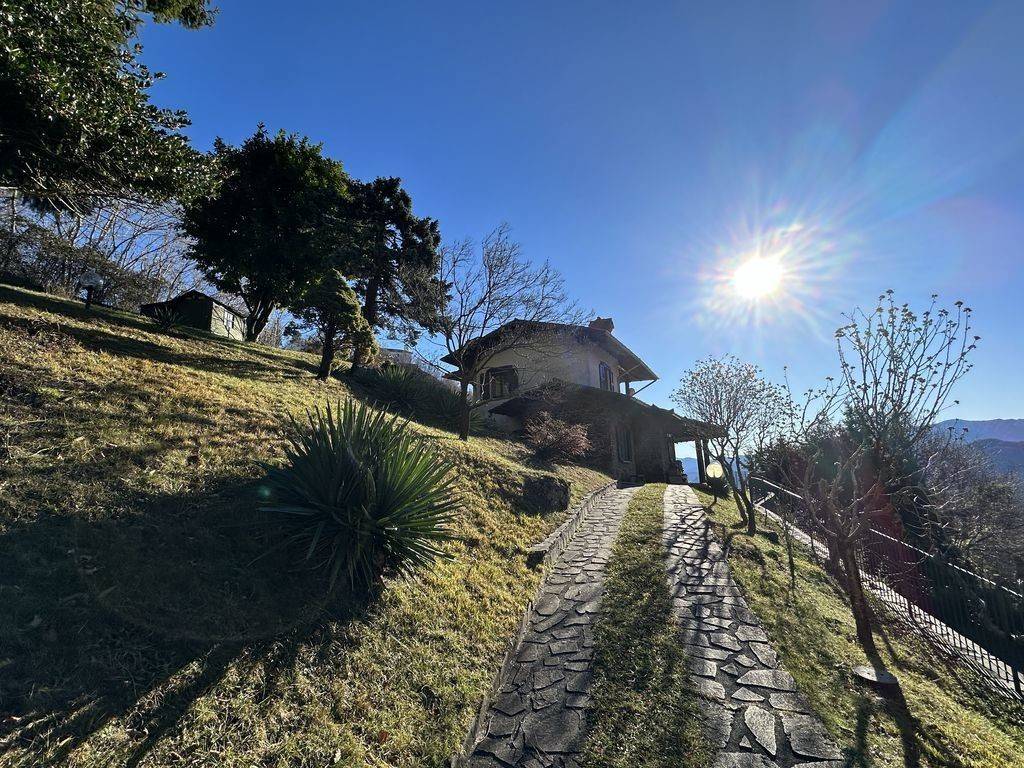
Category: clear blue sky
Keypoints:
(640, 147)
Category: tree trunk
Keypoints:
(370, 314)
(858, 601)
(464, 411)
(257, 320)
(327, 356)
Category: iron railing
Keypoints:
(980, 621)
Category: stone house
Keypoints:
(199, 310)
(583, 374)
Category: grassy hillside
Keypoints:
(139, 624)
(947, 717)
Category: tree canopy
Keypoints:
(77, 122)
(393, 255)
(271, 222)
(331, 309)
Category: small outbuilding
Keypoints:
(199, 310)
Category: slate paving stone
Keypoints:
(538, 718)
(768, 678)
(761, 723)
(743, 760)
(773, 727)
(808, 737)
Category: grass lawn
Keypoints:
(644, 710)
(949, 717)
(138, 627)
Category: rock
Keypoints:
(764, 654)
(719, 724)
(808, 737)
(554, 730)
(725, 640)
(743, 760)
(768, 678)
(544, 494)
(790, 702)
(703, 668)
(761, 723)
(711, 690)
(745, 694)
(749, 633)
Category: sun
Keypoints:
(757, 277)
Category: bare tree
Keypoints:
(898, 370)
(496, 300)
(750, 410)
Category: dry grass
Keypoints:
(948, 717)
(138, 624)
(645, 712)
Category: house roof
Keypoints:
(196, 294)
(679, 427)
(633, 368)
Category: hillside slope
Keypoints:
(141, 621)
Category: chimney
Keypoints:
(603, 324)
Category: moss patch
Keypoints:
(644, 710)
(949, 718)
(138, 624)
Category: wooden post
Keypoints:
(702, 460)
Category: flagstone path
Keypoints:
(755, 714)
(537, 718)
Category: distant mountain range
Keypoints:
(1002, 440)
(1009, 430)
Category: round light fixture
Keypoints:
(714, 470)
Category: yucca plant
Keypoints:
(165, 317)
(400, 389)
(447, 406)
(360, 495)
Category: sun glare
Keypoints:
(757, 277)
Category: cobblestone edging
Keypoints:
(549, 552)
(755, 715)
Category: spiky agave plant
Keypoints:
(400, 389)
(360, 495)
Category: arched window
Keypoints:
(607, 378)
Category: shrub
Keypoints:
(400, 389)
(552, 438)
(165, 317)
(446, 406)
(360, 495)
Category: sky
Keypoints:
(647, 149)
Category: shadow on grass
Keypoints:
(97, 338)
(134, 618)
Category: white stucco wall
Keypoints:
(220, 325)
(568, 360)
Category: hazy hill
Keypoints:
(1005, 456)
(1011, 430)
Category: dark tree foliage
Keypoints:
(330, 308)
(271, 222)
(76, 122)
(393, 254)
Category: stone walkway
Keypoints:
(754, 711)
(538, 716)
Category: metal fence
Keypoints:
(978, 620)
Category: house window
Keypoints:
(499, 382)
(624, 443)
(606, 377)
(229, 322)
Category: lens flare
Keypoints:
(757, 277)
